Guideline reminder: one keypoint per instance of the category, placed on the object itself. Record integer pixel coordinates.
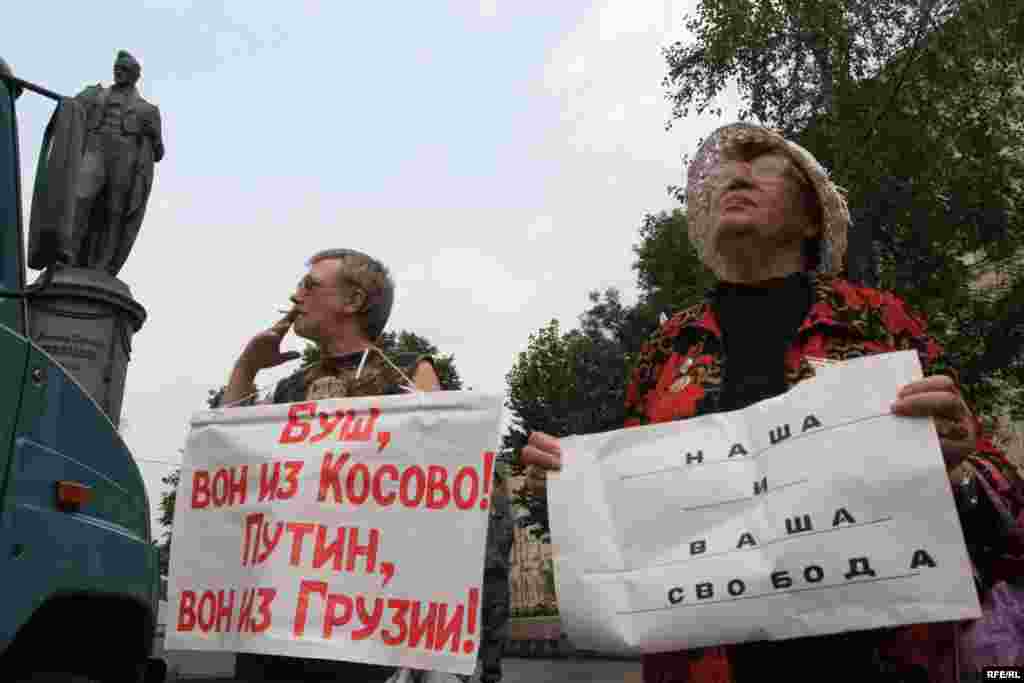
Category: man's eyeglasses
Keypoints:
(310, 283)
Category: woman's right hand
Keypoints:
(543, 451)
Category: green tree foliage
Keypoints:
(796, 60)
(670, 274)
(166, 507)
(167, 499)
(575, 382)
(393, 343)
(390, 343)
(549, 577)
(562, 384)
(917, 107)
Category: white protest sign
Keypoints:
(814, 512)
(338, 529)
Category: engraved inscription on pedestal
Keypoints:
(85, 320)
(70, 350)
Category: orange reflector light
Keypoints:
(72, 495)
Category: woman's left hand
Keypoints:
(937, 396)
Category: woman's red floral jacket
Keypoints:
(679, 374)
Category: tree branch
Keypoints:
(926, 7)
(1005, 341)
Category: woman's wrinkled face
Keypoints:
(759, 199)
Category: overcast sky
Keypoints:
(497, 156)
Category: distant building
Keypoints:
(531, 561)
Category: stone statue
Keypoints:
(122, 144)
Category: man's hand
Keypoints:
(425, 377)
(543, 451)
(937, 397)
(264, 350)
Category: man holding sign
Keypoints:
(343, 304)
(767, 220)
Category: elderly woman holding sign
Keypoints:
(768, 221)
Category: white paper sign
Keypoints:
(814, 512)
(341, 529)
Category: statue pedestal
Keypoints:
(85, 319)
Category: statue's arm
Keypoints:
(89, 93)
(157, 134)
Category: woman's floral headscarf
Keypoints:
(831, 198)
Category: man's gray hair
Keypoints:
(371, 276)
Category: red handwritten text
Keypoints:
(306, 424)
(337, 548)
(432, 487)
(226, 487)
(437, 625)
(271, 486)
(213, 611)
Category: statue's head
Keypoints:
(126, 69)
